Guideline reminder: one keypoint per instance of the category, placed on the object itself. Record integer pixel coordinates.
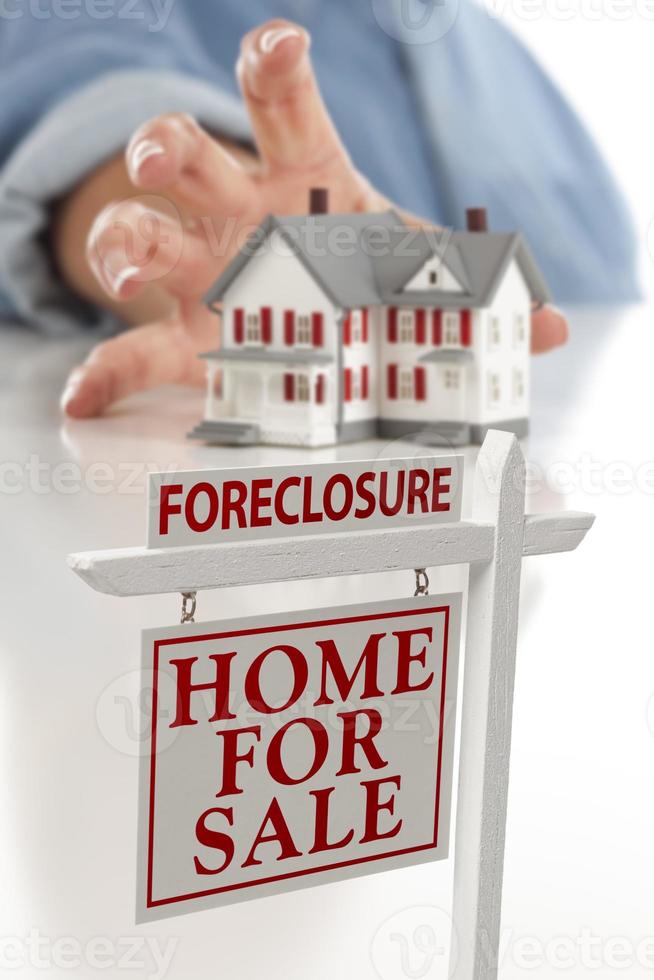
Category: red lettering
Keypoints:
(253, 679)
(321, 823)
(309, 516)
(166, 509)
(346, 483)
(231, 757)
(331, 659)
(420, 492)
(364, 494)
(386, 509)
(405, 658)
(234, 506)
(258, 501)
(189, 507)
(220, 686)
(366, 741)
(374, 806)
(280, 513)
(214, 839)
(439, 489)
(280, 833)
(320, 750)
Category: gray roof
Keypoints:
(448, 355)
(366, 259)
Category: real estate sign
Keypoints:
(295, 749)
(213, 506)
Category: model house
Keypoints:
(349, 326)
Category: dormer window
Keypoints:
(433, 277)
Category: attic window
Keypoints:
(433, 277)
(253, 328)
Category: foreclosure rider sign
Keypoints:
(295, 749)
(214, 506)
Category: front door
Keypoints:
(249, 395)
(451, 393)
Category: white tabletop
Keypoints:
(578, 882)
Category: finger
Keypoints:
(174, 153)
(155, 354)
(135, 243)
(291, 125)
(549, 329)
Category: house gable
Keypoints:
(434, 276)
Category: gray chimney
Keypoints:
(476, 219)
(318, 200)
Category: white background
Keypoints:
(580, 847)
(605, 68)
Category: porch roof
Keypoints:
(263, 355)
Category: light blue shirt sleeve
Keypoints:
(438, 119)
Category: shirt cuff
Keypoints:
(70, 141)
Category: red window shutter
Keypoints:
(364, 324)
(466, 328)
(266, 324)
(392, 324)
(347, 384)
(289, 328)
(421, 331)
(289, 388)
(316, 329)
(420, 383)
(437, 327)
(392, 380)
(320, 389)
(239, 326)
(347, 329)
(364, 381)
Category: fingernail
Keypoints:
(68, 395)
(118, 279)
(143, 151)
(270, 39)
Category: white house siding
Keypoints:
(503, 359)
(406, 355)
(356, 355)
(276, 278)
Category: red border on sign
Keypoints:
(154, 903)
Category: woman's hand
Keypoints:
(187, 202)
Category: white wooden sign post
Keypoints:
(364, 517)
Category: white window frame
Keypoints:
(494, 331)
(519, 330)
(406, 390)
(518, 385)
(302, 387)
(452, 378)
(303, 330)
(355, 384)
(406, 326)
(494, 388)
(451, 329)
(253, 328)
